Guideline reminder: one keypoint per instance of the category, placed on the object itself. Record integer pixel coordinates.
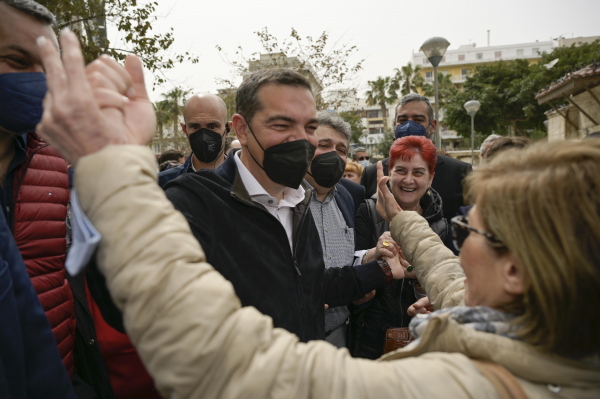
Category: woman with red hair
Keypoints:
(412, 167)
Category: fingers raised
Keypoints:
(56, 77)
(73, 61)
(133, 65)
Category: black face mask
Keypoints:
(327, 169)
(206, 144)
(286, 163)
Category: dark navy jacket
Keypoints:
(250, 248)
(167, 175)
(356, 191)
(30, 366)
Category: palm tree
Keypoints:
(407, 79)
(380, 94)
(163, 116)
(445, 88)
(175, 99)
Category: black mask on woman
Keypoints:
(286, 163)
(327, 169)
(206, 144)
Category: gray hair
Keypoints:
(489, 140)
(32, 8)
(410, 97)
(247, 103)
(336, 122)
(357, 150)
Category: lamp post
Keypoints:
(472, 107)
(434, 49)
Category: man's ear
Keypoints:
(184, 128)
(433, 126)
(228, 126)
(514, 276)
(239, 124)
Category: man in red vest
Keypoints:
(34, 195)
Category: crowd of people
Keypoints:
(280, 262)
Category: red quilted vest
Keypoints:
(40, 198)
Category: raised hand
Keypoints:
(422, 306)
(80, 119)
(387, 207)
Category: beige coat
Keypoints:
(197, 342)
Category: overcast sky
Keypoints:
(385, 32)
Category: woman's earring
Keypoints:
(429, 192)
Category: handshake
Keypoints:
(88, 108)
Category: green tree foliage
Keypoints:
(507, 92)
(379, 93)
(89, 19)
(163, 117)
(383, 147)
(330, 63)
(354, 118)
(175, 100)
(445, 88)
(406, 80)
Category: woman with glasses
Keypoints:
(412, 167)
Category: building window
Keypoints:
(157, 148)
(479, 56)
(444, 59)
(461, 57)
(425, 61)
(535, 51)
(464, 73)
(373, 114)
(375, 130)
(520, 53)
(428, 76)
(498, 54)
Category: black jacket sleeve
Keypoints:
(342, 285)
(364, 228)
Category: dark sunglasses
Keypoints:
(363, 158)
(461, 230)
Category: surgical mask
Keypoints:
(410, 128)
(286, 163)
(206, 144)
(21, 98)
(327, 169)
(364, 163)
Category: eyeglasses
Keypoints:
(461, 230)
(363, 158)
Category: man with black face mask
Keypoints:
(333, 208)
(206, 127)
(252, 214)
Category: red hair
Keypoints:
(405, 148)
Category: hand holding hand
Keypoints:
(387, 207)
(80, 119)
(386, 246)
(422, 306)
(397, 269)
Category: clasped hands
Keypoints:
(86, 109)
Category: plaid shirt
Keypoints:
(337, 241)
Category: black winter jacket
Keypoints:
(250, 248)
(388, 309)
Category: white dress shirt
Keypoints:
(282, 210)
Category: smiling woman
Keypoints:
(412, 167)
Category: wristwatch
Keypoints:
(387, 270)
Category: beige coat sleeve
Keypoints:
(438, 269)
(187, 323)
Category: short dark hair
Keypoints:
(32, 8)
(170, 155)
(247, 103)
(412, 97)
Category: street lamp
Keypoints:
(434, 49)
(472, 107)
